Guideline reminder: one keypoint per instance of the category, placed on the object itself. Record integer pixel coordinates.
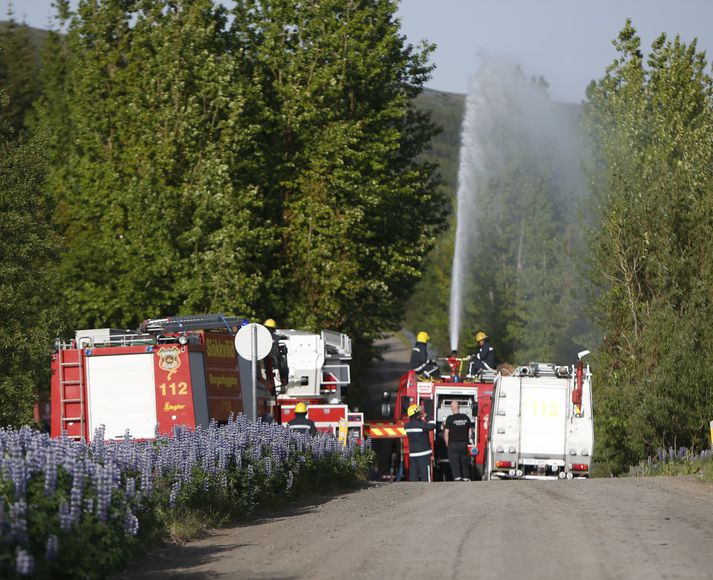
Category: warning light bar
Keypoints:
(580, 467)
(504, 464)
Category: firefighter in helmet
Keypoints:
(419, 357)
(419, 444)
(484, 359)
(301, 424)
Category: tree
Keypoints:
(19, 72)
(28, 251)
(152, 164)
(264, 164)
(649, 122)
(356, 207)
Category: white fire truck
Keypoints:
(185, 371)
(542, 425)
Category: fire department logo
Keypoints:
(169, 360)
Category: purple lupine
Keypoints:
(50, 474)
(131, 523)
(130, 487)
(65, 520)
(175, 488)
(103, 484)
(24, 562)
(18, 521)
(77, 491)
(52, 547)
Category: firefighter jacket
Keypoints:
(419, 443)
(484, 359)
(301, 424)
(419, 357)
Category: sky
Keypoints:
(566, 41)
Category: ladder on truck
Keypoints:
(64, 400)
(194, 322)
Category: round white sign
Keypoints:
(257, 334)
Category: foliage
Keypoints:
(28, 251)
(72, 510)
(672, 462)
(649, 121)
(262, 161)
(19, 72)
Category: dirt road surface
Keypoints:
(602, 528)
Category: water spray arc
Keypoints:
(471, 171)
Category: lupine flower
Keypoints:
(104, 472)
(52, 547)
(24, 563)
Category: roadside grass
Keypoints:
(672, 463)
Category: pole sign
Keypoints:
(253, 342)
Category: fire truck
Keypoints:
(542, 425)
(474, 394)
(185, 371)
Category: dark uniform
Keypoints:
(459, 426)
(420, 363)
(419, 449)
(301, 424)
(484, 359)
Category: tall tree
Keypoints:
(28, 251)
(264, 162)
(152, 164)
(19, 72)
(649, 122)
(355, 206)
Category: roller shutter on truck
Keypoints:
(543, 418)
(122, 395)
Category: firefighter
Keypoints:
(301, 423)
(419, 444)
(419, 357)
(457, 432)
(484, 359)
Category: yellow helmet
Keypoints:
(300, 408)
(422, 336)
(412, 410)
(480, 336)
(270, 323)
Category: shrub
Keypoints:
(69, 509)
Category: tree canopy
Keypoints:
(649, 122)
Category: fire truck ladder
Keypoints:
(64, 400)
(196, 322)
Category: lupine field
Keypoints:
(71, 509)
(681, 461)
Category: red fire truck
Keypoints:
(185, 371)
(435, 396)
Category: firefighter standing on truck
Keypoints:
(419, 357)
(301, 424)
(419, 444)
(457, 432)
(484, 359)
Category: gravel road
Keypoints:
(601, 528)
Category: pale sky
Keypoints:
(566, 41)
